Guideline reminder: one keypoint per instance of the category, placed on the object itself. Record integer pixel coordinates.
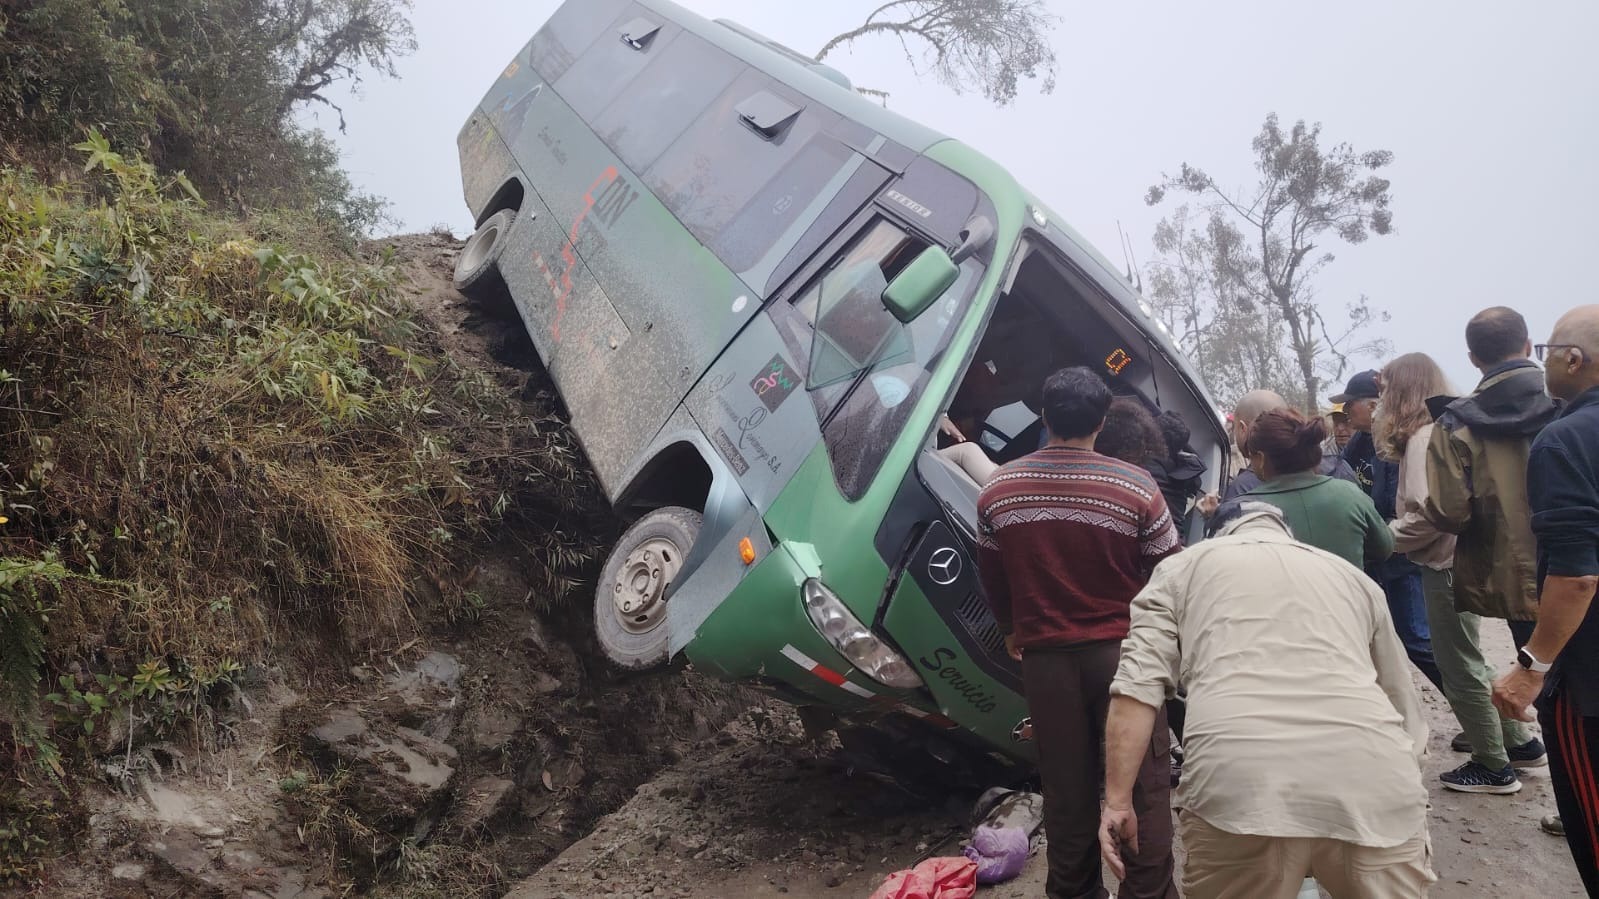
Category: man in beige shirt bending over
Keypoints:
(1304, 734)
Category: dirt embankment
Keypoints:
(457, 766)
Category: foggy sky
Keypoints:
(1491, 110)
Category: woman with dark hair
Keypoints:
(1130, 433)
(1176, 470)
(1327, 513)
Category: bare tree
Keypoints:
(1242, 287)
(1237, 346)
(990, 45)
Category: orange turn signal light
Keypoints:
(746, 551)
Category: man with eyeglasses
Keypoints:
(1559, 665)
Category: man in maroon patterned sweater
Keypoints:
(1068, 538)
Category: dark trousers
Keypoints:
(1068, 693)
(1573, 743)
(1521, 632)
(1407, 605)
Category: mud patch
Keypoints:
(489, 329)
(762, 810)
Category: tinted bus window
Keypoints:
(850, 199)
(719, 163)
(569, 32)
(672, 91)
(609, 64)
(871, 418)
(778, 205)
(851, 327)
(864, 415)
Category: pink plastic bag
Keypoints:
(936, 878)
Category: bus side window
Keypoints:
(609, 64)
(569, 32)
(719, 164)
(671, 92)
(860, 434)
(781, 204)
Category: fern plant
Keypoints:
(23, 617)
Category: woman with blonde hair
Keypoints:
(1403, 427)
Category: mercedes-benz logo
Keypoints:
(945, 566)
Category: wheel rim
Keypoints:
(477, 249)
(639, 589)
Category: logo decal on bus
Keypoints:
(910, 204)
(975, 692)
(774, 383)
(945, 566)
(614, 200)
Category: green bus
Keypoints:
(758, 295)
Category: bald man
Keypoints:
(1559, 665)
(1250, 407)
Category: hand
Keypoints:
(1118, 827)
(1011, 648)
(948, 428)
(1208, 504)
(1515, 691)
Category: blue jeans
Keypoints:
(1408, 606)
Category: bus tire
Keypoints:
(477, 268)
(629, 608)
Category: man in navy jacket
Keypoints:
(1559, 666)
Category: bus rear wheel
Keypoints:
(630, 602)
(477, 268)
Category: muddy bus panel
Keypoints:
(757, 294)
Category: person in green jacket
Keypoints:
(1327, 513)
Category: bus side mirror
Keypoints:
(920, 284)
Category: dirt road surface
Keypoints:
(768, 814)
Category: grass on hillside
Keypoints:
(218, 442)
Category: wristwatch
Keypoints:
(1528, 661)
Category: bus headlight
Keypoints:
(845, 632)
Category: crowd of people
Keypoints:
(1275, 649)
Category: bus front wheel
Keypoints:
(630, 602)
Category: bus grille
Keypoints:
(979, 622)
